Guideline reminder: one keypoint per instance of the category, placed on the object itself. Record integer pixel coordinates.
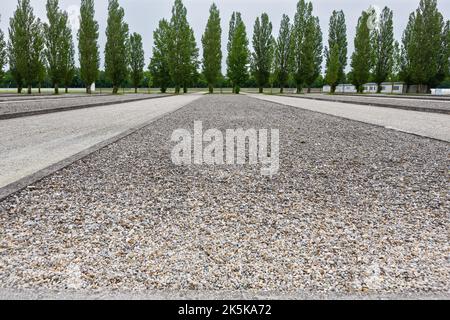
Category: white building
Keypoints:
(393, 88)
(346, 88)
(326, 89)
(370, 87)
(440, 92)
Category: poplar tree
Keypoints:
(87, 44)
(3, 54)
(422, 42)
(55, 35)
(362, 56)
(283, 53)
(159, 64)
(24, 37)
(183, 51)
(383, 47)
(238, 53)
(306, 46)
(68, 57)
(116, 48)
(262, 56)
(38, 59)
(212, 51)
(137, 60)
(337, 37)
(333, 68)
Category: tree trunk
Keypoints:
(29, 89)
(88, 90)
(66, 90)
(309, 89)
(163, 89)
(282, 89)
(299, 88)
(261, 90)
(211, 89)
(19, 89)
(39, 89)
(177, 89)
(185, 89)
(56, 89)
(136, 90)
(333, 88)
(115, 89)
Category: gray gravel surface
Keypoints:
(30, 144)
(398, 96)
(419, 104)
(20, 97)
(355, 209)
(431, 125)
(13, 107)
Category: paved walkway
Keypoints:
(30, 144)
(432, 125)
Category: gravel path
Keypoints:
(394, 96)
(432, 125)
(30, 144)
(425, 105)
(355, 209)
(16, 107)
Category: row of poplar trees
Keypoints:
(297, 51)
(422, 58)
(37, 49)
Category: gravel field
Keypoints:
(355, 209)
(12, 107)
(15, 97)
(419, 104)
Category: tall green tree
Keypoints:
(283, 53)
(55, 40)
(408, 49)
(306, 46)
(337, 36)
(38, 59)
(3, 54)
(362, 56)
(159, 64)
(24, 33)
(446, 47)
(68, 56)
(116, 48)
(212, 48)
(89, 55)
(422, 45)
(383, 47)
(238, 53)
(333, 68)
(183, 51)
(137, 60)
(263, 50)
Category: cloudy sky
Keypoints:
(143, 15)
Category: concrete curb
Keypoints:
(70, 108)
(373, 104)
(18, 185)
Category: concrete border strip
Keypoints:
(373, 104)
(21, 184)
(15, 115)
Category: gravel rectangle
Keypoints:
(355, 209)
(425, 105)
(10, 109)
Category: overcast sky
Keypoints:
(143, 15)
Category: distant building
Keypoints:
(393, 88)
(440, 92)
(346, 88)
(326, 89)
(370, 87)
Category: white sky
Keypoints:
(143, 15)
